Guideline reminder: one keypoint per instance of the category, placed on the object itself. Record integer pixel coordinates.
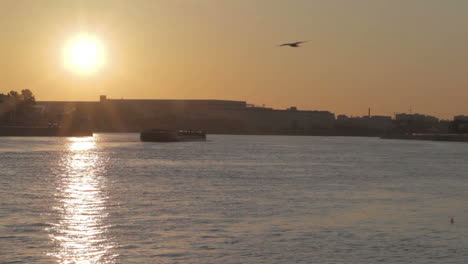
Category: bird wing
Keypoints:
(292, 44)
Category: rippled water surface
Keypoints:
(232, 199)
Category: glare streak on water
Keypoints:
(80, 233)
(232, 199)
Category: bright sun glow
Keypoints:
(84, 54)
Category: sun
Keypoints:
(84, 54)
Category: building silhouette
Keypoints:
(214, 116)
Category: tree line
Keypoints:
(25, 97)
(17, 106)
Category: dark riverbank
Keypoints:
(37, 131)
(432, 137)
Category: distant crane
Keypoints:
(293, 44)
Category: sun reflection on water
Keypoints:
(78, 144)
(80, 233)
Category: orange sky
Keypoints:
(390, 55)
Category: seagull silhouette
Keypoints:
(293, 44)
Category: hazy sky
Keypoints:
(389, 55)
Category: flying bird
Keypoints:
(293, 44)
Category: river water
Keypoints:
(232, 199)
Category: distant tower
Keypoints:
(368, 113)
(102, 98)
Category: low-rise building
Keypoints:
(215, 116)
(363, 126)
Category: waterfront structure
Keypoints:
(214, 116)
(229, 117)
(459, 124)
(363, 126)
(417, 123)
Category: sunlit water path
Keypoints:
(232, 199)
(80, 233)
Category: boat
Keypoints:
(161, 135)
